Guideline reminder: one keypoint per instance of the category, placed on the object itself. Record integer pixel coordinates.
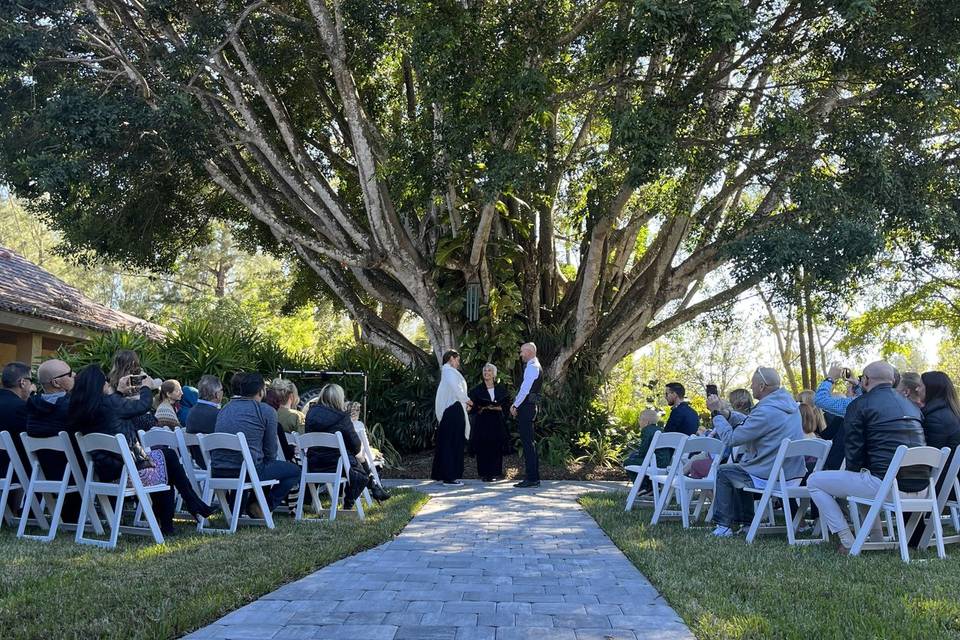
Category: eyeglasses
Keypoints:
(62, 375)
(763, 378)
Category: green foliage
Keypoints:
(602, 449)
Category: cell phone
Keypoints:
(712, 390)
(136, 379)
(846, 374)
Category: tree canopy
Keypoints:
(599, 171)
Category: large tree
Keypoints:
(600, 171)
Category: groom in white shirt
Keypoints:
(525, 410)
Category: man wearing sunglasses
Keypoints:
(17, 387)
(775, 417)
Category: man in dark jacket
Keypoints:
(48, 415)
(683, 419)
(876, 424)
(17, 387)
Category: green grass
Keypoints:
(728, 589)
(144, 590)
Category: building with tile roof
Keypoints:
(39, 312)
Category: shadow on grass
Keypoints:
(143, 590)
(724, 588)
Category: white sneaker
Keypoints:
(723, 532)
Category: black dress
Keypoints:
(448, 457)
(489, 431)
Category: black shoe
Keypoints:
(348, 504)
(453, 483)
(487, 479)
(527, 484)
(378, 493)
(204, 511)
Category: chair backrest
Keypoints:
(950, 482)
(314, 439)
(159, 437)
(673, 440)
(61, 443)
(291, 439)
(231, 442)
(930, 457)
(15, 469)
(116, 444)
(701, 444)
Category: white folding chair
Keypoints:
(53, 491)
(245, 480)
(888, 499)
(16, 479)
(334, 480)
(951, 484)
(672, 442)
(681, 487)
(127, 485)
(648, 465)
(779, 486)
(366, 452)
(154, 439)
(195, 474)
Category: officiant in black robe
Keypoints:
(488, 435)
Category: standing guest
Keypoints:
(911, 387)
(450, 407)
(525, 409)
(683, 418)
(330, 415)
(774, 418)
(290, 419)
(17, 388)
(258, 423)
(166, 413)
(203, 417)
(489, 431)
(647, 424)
(187, 402)
(96, 407)
(876, 424)
(941, 422)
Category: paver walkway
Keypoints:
(479, 562)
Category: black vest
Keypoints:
(537, 384)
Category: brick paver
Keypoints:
(479, 562)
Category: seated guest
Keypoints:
(166, 413)
(187, 402)
(17, 388)
(290, 419)
(834, 408)
(774, 418)
(272, 398)
(96, 407)
(911, 387)
(47, 413)
(941, 421)
(683, 418)
(203, 417)
(647, 424)
(127, 363)
(876, 424)
(813, 421)
(246, 414)
(329, 415)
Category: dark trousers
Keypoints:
(526, 414)
(732, 506)
(286, 473)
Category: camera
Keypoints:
(136, 379)
(847, 374)
(712, 390)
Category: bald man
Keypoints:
(524, 408)
(775, 417)
(876, 423)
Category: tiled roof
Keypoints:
(28, 290)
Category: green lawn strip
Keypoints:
(143, 590)
(724, 588)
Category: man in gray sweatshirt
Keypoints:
(775, 417)
(258, 423)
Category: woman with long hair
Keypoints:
(814, 422)
(330, 415)
(97, 407)
(911, 386)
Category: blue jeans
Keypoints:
(286, 472)
(732, 506)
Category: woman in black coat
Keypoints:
(488, 434)
(330, 416)
(941, 421)
(96, 407)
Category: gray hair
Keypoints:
(208, 388)
(284, 388)
(492, 367)
(332, 396)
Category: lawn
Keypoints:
(144, 590)
(727, 589)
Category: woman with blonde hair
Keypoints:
(330, 415)
(814, 422)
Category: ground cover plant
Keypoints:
(143, 590)
(727, 589)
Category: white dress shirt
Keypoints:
(530, 374)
